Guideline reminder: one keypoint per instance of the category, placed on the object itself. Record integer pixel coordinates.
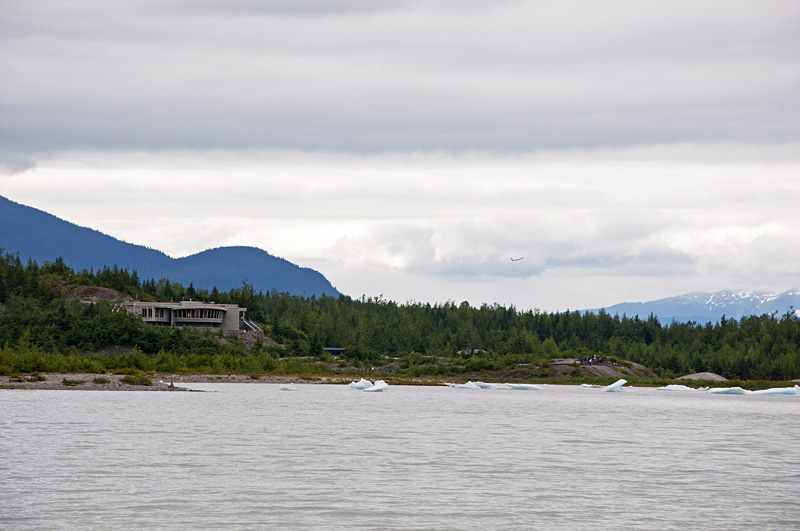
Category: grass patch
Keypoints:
(71, 383)
(136, 379)
(102, 380)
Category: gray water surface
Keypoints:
(249, 456)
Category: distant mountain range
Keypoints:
(710, 307)
(44, 237)
(36, 234)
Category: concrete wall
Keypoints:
(230, 314)
(230, 323)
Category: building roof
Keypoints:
(184, 304)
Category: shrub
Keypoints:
(136, 379)
(71, 383)
(101, 380)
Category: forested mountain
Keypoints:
(44, 329)
(43, 237)
(704, 307)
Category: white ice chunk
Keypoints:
(287, 387)
(728, 391)
(379, 386)
(615, 387)
(468, 385)
(789, 391)
(676, 387)
(524, 387)
(361, 384)
(484, 385)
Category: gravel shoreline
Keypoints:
(159, 382)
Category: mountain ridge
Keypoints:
(41, 236)
(703, 307)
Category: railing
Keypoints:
(156, 319)
(247, 324)
(197, 319)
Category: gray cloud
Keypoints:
(15, 163)
(370, 77)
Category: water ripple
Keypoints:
(249, 457)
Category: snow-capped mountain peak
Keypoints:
(705, 307)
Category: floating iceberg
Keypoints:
(676, 387)
(728, 391)
(484, 385)
(615, 387)
(524, 387)
(361, 384)
(468, 385)
(287, 387)
(379, 386)
(788, 391)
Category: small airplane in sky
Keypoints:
(517, 259)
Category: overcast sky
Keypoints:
(627, 150)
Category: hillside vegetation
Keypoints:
(44, 328)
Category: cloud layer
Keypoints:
(687, 222)
(626, 150)
(396, 76)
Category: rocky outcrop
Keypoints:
(708, 376)
(94, 294)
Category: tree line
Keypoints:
(420, 338)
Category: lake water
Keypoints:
(249, 456)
